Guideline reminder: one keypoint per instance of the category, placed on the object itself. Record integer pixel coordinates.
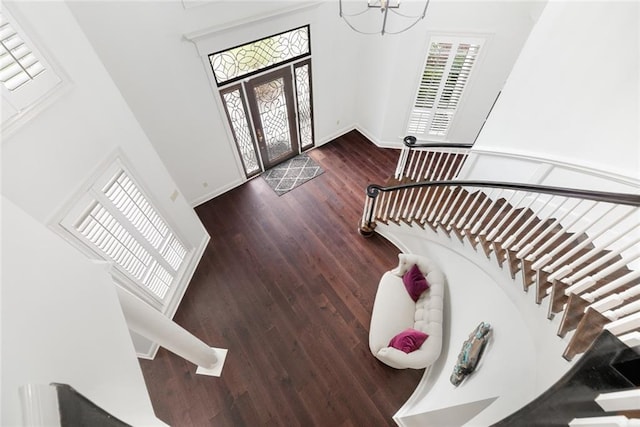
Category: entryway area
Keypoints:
(265, 87)
(288, 288)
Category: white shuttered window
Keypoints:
(25, 75)
(117, 221)
(445, 76)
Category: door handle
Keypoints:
(259, 132)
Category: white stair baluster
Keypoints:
(445, 176)
(544, 234)
(625, 400)
(575, 235)
(513, 239)
(491, 234)
(611, 286)
(491, 225)
(487, 211)
(459, 223)
(585, 284)
(592, 236)
(625, 324)
(439, 168)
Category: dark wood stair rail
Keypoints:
(410, 142)
(374, 190)
(447, 193)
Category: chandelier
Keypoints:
(385, 6)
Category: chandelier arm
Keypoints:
(402, 31)
(354, 14)
(424, 13)
(342, 14)
(384, 22)
(407, 16)
(357, 30)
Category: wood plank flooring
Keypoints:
(287, 285)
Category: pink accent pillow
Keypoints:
(408, 340)
(415, 282)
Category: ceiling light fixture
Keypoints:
(384, 6)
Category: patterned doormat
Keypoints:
(294, 172)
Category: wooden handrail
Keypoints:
(599, 196)
(411, 142)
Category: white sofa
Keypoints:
(394, 311)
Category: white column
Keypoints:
(144, 320)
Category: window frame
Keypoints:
(64, 224)
(455, 40)
(264, 69)
(304, 63)
(241, 89)
(36, 89)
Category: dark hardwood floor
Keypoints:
(287, 285)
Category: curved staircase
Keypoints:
(578, 250)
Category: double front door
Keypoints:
(271, 119)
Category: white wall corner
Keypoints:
(216, 192)
(378, 142)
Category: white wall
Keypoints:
(165, 83)
(392, 65)
(52, 155)
(61, 322)
(47, 160)
(363, 81)
(573, 94)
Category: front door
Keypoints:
(272, 109)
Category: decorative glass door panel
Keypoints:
(236, 110)
(268, 124)
(231, 65)
(271, 103)
(302, 72)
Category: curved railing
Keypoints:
(374, 190)
(422, 161)
(580, 248)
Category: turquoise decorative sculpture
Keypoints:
(470, 354)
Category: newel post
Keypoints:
(405, 153)
(368, 224)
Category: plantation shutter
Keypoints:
(444, 78)
(25, 75)
(122, 225)
(18, 63)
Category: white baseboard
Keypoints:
(335, 134)
(379, 143)
(319, 142)
(152, 353)
(216, 192)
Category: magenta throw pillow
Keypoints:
(408, 340)
(415, 282)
